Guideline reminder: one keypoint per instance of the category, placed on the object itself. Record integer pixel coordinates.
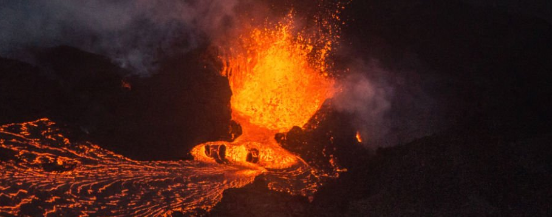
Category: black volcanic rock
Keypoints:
(90, 84)
(159, 117)
(167, 114)
(490, 72)
(256, 199)
(25, 92)
(327, 143)
(460, 172)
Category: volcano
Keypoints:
(289, 108)
(279, 80)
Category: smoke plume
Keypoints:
(133, 33)
(388, 107)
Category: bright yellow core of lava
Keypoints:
(278, 78)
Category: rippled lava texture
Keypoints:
(488, 69)
(45, 174)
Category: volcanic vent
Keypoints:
(274, 85)
(279, 80)
(278, 74)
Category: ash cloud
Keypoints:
(388, 107)
(133, 33)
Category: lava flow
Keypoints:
(278, 76)
(45, 174)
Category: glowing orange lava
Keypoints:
(277, 77)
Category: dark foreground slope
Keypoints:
(488, 71)
(458, 173)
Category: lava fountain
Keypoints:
(278, 79)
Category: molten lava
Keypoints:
(279, 80)
(277, 77)
(43, 173)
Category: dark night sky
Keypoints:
(538, 8)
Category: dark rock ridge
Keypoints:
(155, 118)
(487, 70)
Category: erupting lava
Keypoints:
(278, 79)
